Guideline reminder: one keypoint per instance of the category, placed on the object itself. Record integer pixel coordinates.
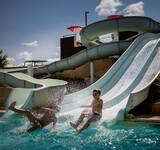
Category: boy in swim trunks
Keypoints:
(37, 122)
(94, 115)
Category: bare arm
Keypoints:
(48, 109)
(101, 104)
(54, 124)
(88, 105)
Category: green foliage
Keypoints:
(3, 59)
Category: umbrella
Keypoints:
(75, 29)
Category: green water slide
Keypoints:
(133, 23)
(95, 49)
(28, 91)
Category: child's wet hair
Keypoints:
(98, 91)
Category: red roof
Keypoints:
(114, 17)
(75, 29)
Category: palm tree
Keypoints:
(3, 59)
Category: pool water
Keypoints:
(123, 135)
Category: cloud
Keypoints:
(111, 7)
(108, 7)
(11, 62)
(31, 44)
(25, 55)
(135, 9)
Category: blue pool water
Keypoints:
(123, 135)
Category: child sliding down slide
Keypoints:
(94, 115)
(37, 122)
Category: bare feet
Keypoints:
(78, 130)
(55, 129)
(12, 105)
(73, 125)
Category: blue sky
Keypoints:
(31, 29)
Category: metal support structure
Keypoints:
(86, 18)
(30, 70)
(91, 65)
(91, 72)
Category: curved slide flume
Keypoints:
(82, 57)
(89, 36)
(29, 92)
(131, 23)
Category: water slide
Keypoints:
(125, 85)
(122, 86)
(95, 49)
(128, 81)
(28, 91)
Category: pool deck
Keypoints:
(146, 118)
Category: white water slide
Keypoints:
(125, 85)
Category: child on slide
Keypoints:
(92, 115)
(36, 123)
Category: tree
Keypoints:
(3, 59)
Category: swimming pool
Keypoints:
(123, 135)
